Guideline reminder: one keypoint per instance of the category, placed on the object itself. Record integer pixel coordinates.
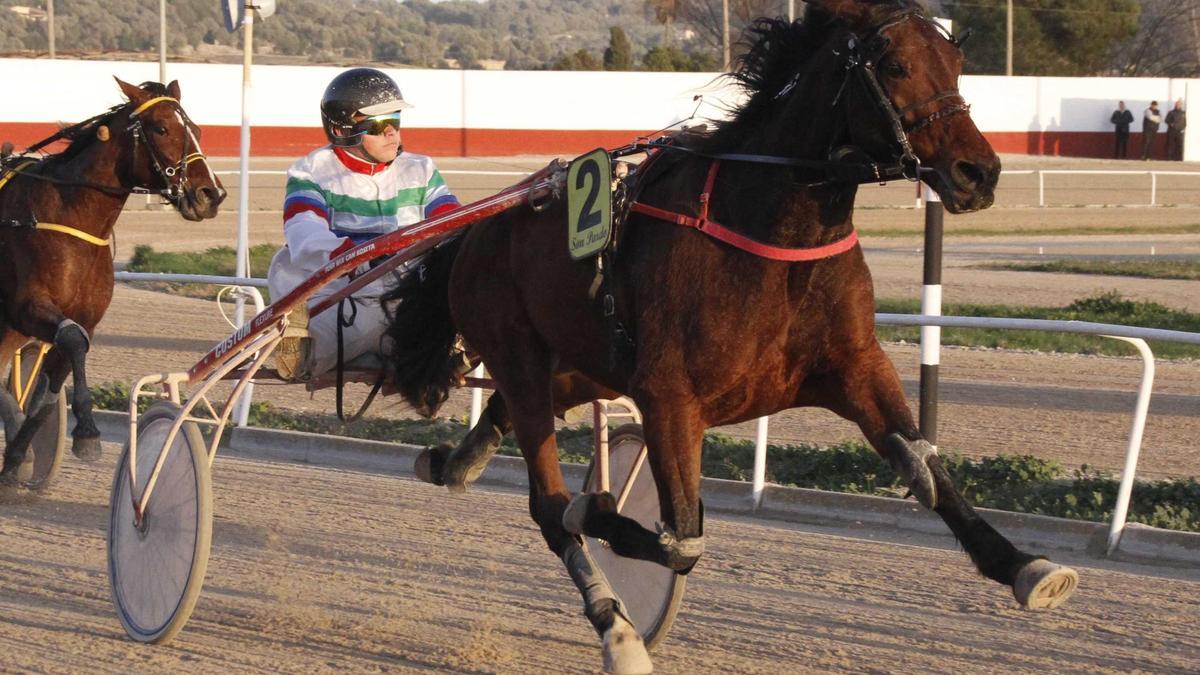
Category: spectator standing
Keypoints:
(1150, 121)
(1176, 123)
(1122, 119)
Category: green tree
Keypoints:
(619, 54)
(578, 60)
(1050, 37)
(673, 59)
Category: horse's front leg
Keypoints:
(674, 433)
(867, 391)
(71, 343)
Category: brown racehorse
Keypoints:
(56, 221)
(713, 330)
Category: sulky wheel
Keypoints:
(156, 570)
(44, 456)
(651, 593)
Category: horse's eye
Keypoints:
(161, 131)
(894, 69)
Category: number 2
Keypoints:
(589, 215)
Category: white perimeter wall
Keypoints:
(41, 90)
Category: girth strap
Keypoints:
(78, 234)
(718, 231)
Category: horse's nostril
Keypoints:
(968, 174)
(212, 195)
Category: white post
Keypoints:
(1153, 188)
(1121, 510)
(242, 412)
(1041, 188)
(760, 462)
(476, 397)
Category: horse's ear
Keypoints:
(856, 14)
(131, 91)
(173, 89)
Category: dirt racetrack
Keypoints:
(319, 570)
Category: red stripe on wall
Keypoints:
(224, 141)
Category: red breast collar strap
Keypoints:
(719, 231)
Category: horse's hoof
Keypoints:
(430, 462)
(624, 651)
(86, 449)
(584, 505)
(910, 459)
(25, 470)
(1042, 584)
(466, 463)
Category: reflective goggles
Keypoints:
(377, 125)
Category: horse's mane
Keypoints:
(79, 136)
(778, 50)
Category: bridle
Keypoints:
(862, 64)
(173, 175)
(849, 165)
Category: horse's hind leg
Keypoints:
(49, 382)
(457, 466)
(10, 410)
(869, 393)
(523, 377)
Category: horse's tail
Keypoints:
(422, 331)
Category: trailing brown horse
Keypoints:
(56, 221)
(769, 306)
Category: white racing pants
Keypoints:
(364, 334)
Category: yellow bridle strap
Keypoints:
(192, 157)
(91, 239)
(16, 170)
(157, 99)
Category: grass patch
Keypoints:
(1147, 269)
(1024, 483)
(221, 261)
(1107, 307)
(951, 232)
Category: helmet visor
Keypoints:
(377, 124)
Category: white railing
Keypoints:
(1040, 173)
(1043, 173)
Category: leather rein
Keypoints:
(173, 175)
(840, 171)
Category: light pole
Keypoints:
(1008, 51)
(725, 34)
(162, 41)
(50, 24)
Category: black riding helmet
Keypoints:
(365, 91)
